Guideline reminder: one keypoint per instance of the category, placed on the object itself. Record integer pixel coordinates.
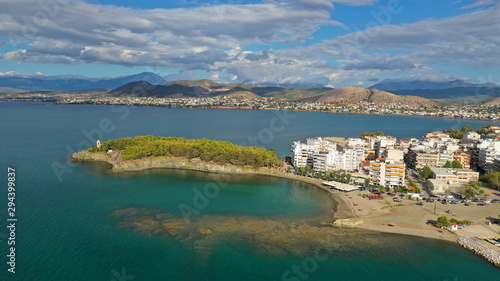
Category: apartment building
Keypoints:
(462, 157)
(487, 155)
(387, 173)
(496, 164)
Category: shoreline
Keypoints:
(330, 112)
(493, 121)
(351, 209)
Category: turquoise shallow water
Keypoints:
(66, 232)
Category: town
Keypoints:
(443, 163)
(473, 112)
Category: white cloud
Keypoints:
(214, 39)
(479, 3)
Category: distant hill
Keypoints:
(459, 92)
(69, 83)
(456, 89)
(8, 90)
(183, 88)
(393, 85)
(207, 88)
(357, 94)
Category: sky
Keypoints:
(334, 43)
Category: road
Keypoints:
(423, 187)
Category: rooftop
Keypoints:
(444, 171)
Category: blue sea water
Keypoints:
(66, 231)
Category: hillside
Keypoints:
(394, 85)
(495, 101)
(453, 93)
(357, 94)
(207, 88)
(171, 90)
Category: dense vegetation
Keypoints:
(372, 134)
(221, 152)
(459, 134)
(426, 172)
(455, 164)
(491, 179)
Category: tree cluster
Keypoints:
(455, 164)
(372, 134)
(426, 172)
(458, 134)
(491, 179)
(221, 152)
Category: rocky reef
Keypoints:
(264, 235)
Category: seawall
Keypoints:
(481, 250)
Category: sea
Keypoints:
(78, 221)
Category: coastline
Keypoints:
(351, 209)
(295, 110)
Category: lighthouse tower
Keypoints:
(98, 144)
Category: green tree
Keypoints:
(426, 172)
(348, 178)
(320, 174)
(469, 193)
(447, 164)
(456, 164)
(443, 221)
(307, 169)
(367, 183)
(491, 179)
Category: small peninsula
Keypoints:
(147, 152)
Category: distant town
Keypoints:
(475, 112)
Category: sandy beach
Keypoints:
(407, 217)
(411, 219)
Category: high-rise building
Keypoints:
(387, 173)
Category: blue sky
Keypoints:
(332, 43)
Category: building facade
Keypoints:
(387, 173)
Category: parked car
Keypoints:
(481, 204)
(420, 203)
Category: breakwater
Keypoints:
(481, 250)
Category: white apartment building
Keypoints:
(487, 154)
(444, 157)
(353, 158)
(323, 155)
(302, 154)
(387, 173)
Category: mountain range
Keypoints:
(456, 89)
(410, 92)
(395, 85)
(72, 83)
